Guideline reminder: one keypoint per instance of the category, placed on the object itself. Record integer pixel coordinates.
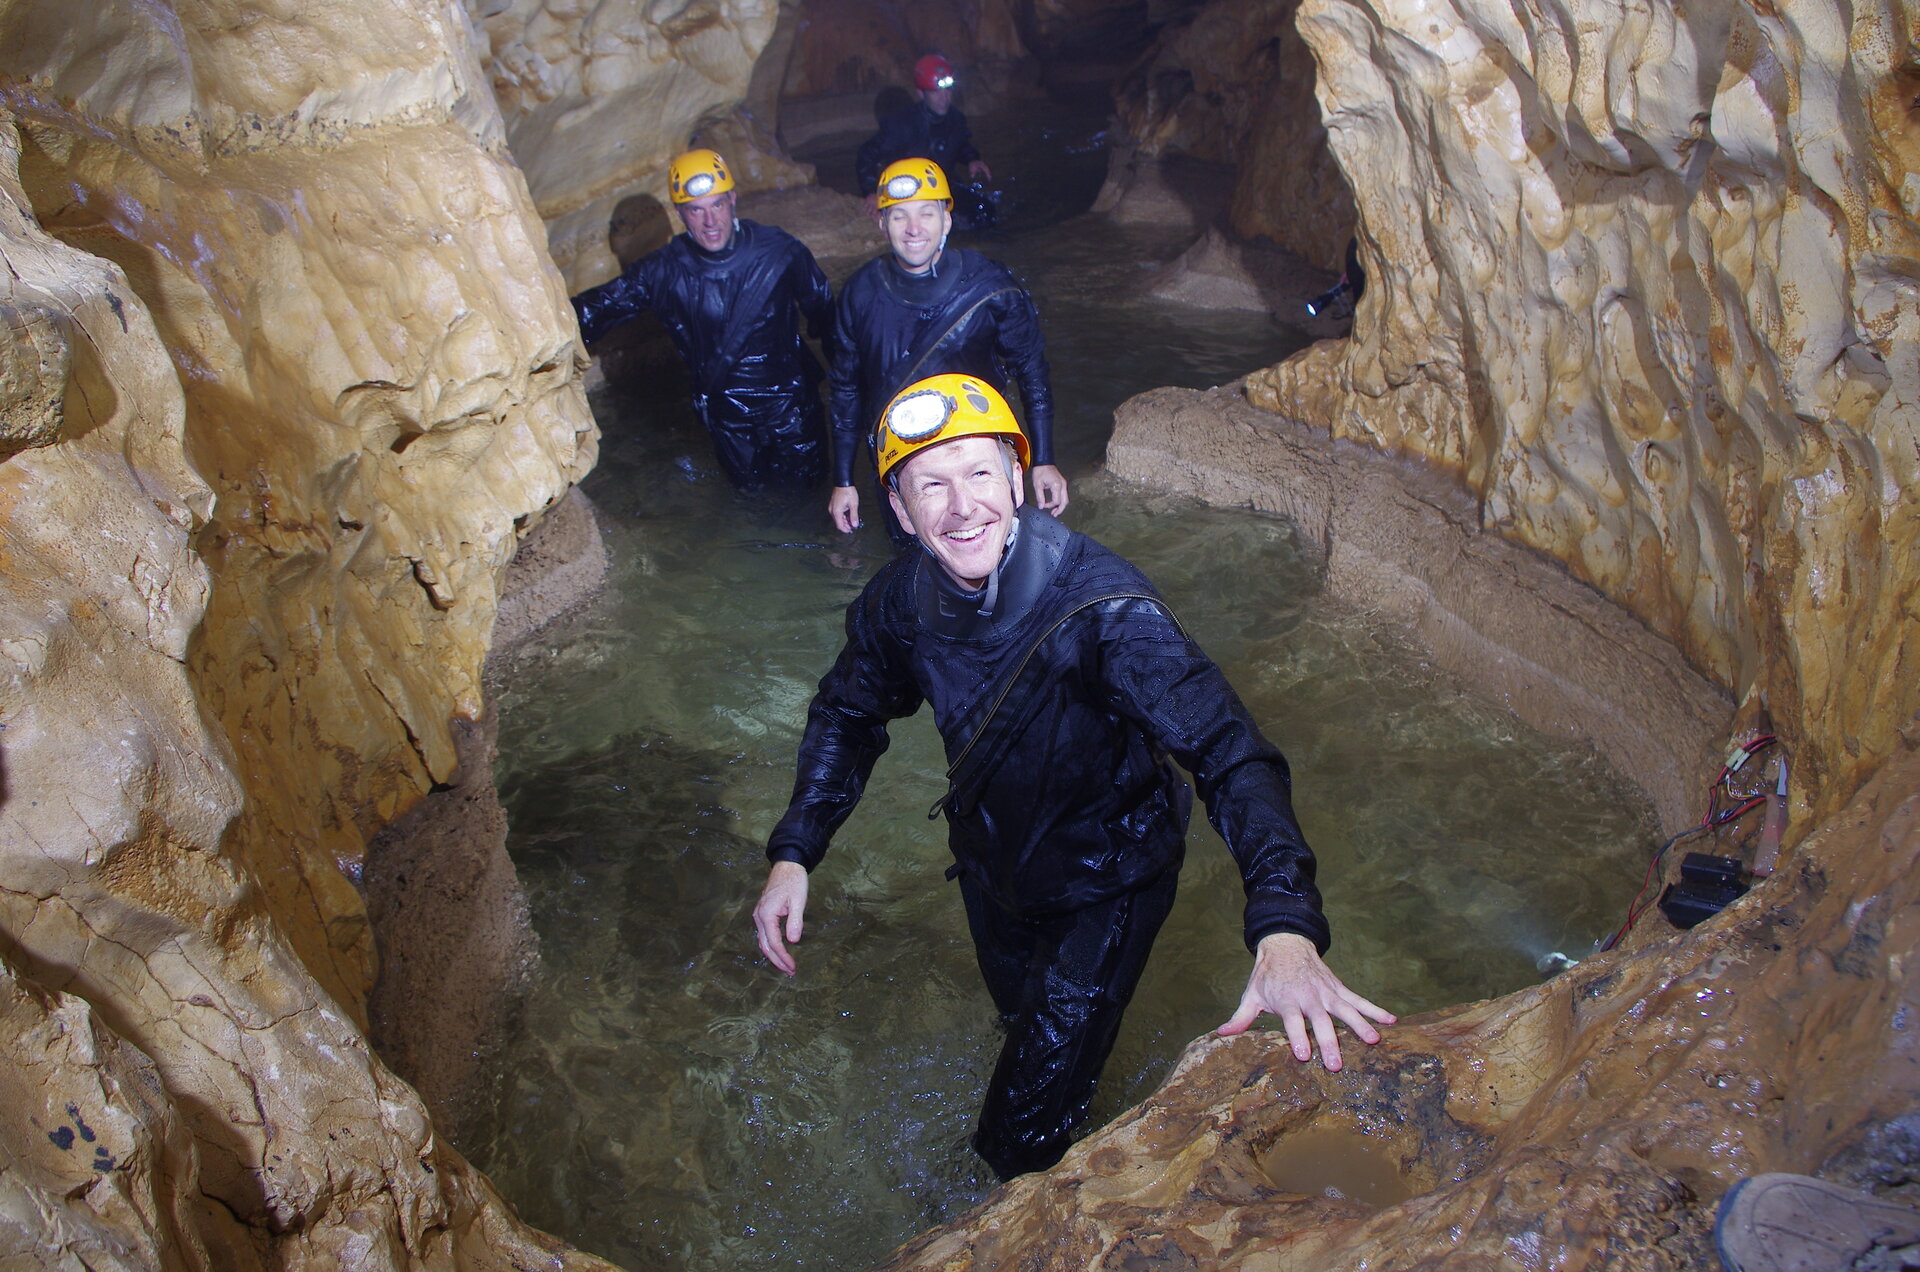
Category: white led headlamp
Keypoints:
(699, 184)
(903, 187)
(919, 415)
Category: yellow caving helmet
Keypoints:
(908, 179)
(697, 174)
(945, 408)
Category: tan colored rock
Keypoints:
(1635, 281)
(599, 96)
(100, 1167)
(835, 227)
(291, 248)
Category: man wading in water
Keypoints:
(923, 309)
(1061, 684)
(731, 294)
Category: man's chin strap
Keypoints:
(991, 600)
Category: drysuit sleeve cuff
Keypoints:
(842, 448)
(1318, 933)
(777, 853)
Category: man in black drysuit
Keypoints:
(1061, 684)
(932, 128)
(731, 294)
(926, 308)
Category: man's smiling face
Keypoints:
(917, 231)
(958, 498)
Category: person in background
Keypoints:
(732, 294)
(924, 308)
(931, 128)
(1062, 685)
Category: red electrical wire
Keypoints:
(1708, 821)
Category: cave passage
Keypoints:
(668, 1101)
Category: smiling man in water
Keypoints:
(731, 294)
(1061, 685)
(923, 309)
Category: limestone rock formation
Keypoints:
(1643, 280)
(286, 368)
(598, 97)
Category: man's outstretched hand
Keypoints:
(1290, 981)
(777, 917)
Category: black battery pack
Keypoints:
(1707, 886)
(1715, 872)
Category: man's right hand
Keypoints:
(843, 507)
(777, 918)
(872, 203)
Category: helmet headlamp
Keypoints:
(942, 409)
(916, 415)
(908, 180)
(945, 81)
(696, 174)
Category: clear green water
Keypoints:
(670, 1102)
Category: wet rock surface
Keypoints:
(320, 366)
(597, 100)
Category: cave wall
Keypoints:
(1643, 278)
(1232, 83)
(856, 46)
(287, 373)
(599, 95)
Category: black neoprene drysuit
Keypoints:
(968, 316)
(917, 133)
(734, 315)
(1066, 823)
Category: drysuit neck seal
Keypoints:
(1035, 549)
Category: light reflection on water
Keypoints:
(671, 1102)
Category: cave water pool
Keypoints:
(669, 1101)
